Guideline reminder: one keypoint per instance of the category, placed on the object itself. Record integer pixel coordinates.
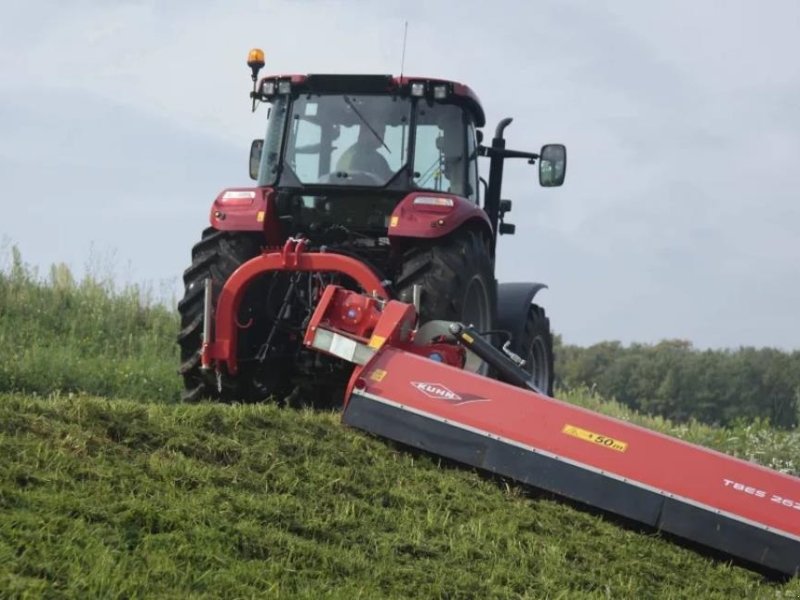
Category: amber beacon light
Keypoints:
(255, 60)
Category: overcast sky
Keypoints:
(120, 121)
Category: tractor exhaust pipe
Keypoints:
(501, 127)
(494, 188)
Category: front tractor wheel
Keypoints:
(216, 256)
(536, 347)
(457, 281)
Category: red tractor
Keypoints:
(382, 170)
(363, 261)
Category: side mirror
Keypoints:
(552, 165)
(255, 157)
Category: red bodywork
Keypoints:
(222, 349)
(433, 221)
(353, 319)
(247, 209)
(253, 209)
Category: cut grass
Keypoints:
(124, 499)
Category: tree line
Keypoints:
(675, 380)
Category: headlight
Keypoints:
(440, 92)
(268, 88)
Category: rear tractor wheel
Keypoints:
(216, 256)
(456, 278)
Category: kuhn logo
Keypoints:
(440, 392)
(434, 390)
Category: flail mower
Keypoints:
(362, 263)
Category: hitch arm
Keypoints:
(508, 370)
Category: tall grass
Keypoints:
(62, 335)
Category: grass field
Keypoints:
(110, 488)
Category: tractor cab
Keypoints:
(370, 132)
(342, 151)
(348, 149)
(375, 179)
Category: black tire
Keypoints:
(457, 280)
(217, 255)
(536, 347)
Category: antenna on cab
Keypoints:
(403, 57)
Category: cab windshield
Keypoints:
(347, 139)
(363, 140)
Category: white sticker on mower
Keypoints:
(759, 493)
(441, 392)
(343, 347)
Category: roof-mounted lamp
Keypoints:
(255, 60)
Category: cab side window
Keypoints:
(445, 156)
(473, 185)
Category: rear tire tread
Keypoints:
(216, 256)
(443, 268)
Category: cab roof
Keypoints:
(377, 84)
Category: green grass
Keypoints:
(122, 499)
(59, 335)
(110, 488)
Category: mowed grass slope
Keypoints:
(115, 498)
(134, 495)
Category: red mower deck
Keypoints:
(744, 510)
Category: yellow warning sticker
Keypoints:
(377, 375)
(394, 221)
(595, 438)
(376, 341)
(260, 216)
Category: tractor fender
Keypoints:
(430, 215)
(246, 209)
(513, 302)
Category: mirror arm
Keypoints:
(505, 153)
